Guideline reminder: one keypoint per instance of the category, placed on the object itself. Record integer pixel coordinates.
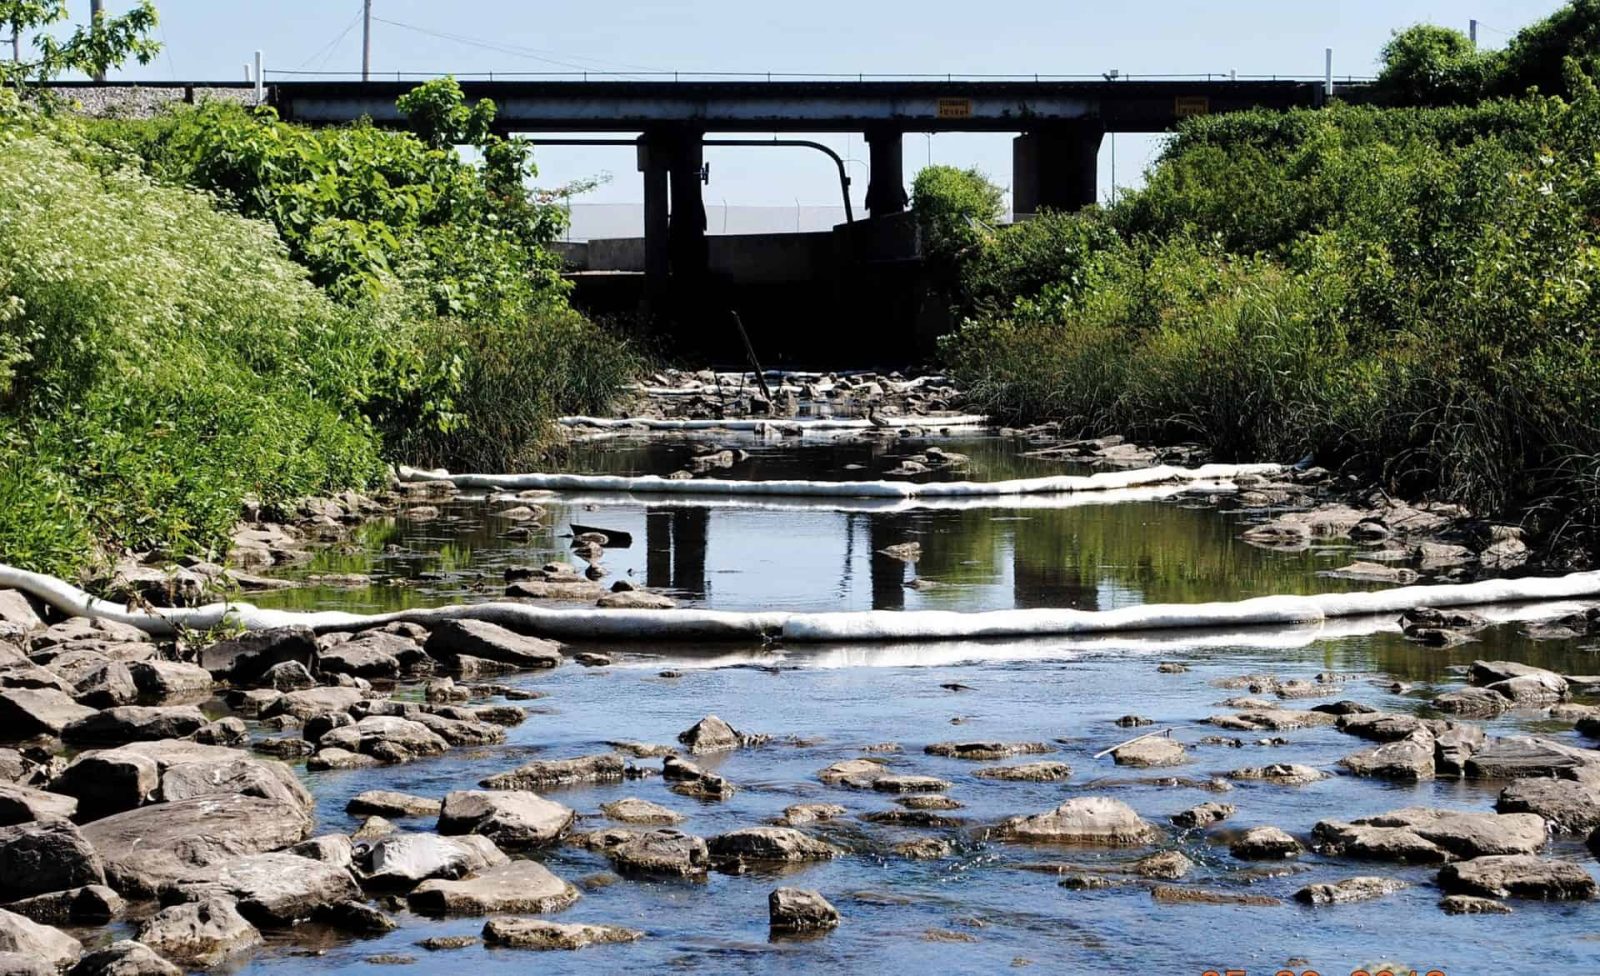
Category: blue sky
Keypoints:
(214, 38)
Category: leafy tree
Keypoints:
(955, 209)
(1534, 57)
(440, 116)
(93, 48)
(1430, 65)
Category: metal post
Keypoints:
(260, 79)
(1327, 73)
(366, 40)
(96, 10)
(248, 76)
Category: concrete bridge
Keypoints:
(1059, 125)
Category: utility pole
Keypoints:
(1472, 31)
(366, 40)
(96, 11)
(1327, 72)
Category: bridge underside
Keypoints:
(1059, 127)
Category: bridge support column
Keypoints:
(687, 230)
(886, 192)
(653, 160)
(1056, 168)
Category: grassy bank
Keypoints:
(1411, 293)
(214, 305)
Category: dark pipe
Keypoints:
(844, 177)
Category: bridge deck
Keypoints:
(809, 106)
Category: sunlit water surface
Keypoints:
(976, 912)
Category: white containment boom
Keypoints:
(657, 485)
(588, 623)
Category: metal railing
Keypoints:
(785, 76)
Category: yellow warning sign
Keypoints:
(955, 108)
(1186, 105)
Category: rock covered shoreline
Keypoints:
(147, 784)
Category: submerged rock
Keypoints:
(1202, 815)
(1265, 842)
(770, 844)
(985, 750)
(1035, 772)
(799, 910)
(1093, 820)
(403, 861)
(631, 810)
(530, 933)
(1363, 888)
(514, 819)
(711, 734)
(1517, 875)
(544, 773)
(1150, 752)
(520, 886)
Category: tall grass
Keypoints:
(1408, 293)
(163, 355)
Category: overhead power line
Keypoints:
(531, 54)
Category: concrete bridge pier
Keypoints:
(886, 192)
(672, 163)
(1056, 168)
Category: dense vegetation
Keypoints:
(1408, 292)
(214, 305)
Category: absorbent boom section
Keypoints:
(862, 626)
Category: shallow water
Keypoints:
(824, 704)
(1094, 550)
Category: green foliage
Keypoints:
(1407, 292)
(1536, 55)
(93, 48)
(1430, 65)
(163, 354)
(166, 361)
(955, 210)
(439, 115)
(403, 221)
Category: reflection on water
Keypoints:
(826, 703)
(1089, 551)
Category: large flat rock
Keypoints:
(152, 846)
(1089, 820)
(273, 889)
(520, 886)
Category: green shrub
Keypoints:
(1431, 65)
(1412, 293)
(166, 360)
(955, 210)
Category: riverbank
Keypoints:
(1402, 294)
(212, 308)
